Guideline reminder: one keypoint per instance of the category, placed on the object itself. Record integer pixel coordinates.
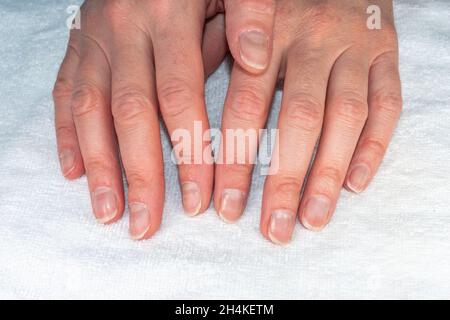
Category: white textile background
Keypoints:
(393, 241)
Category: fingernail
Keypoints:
(67, 161)
(254, 49)
(139, 220)
(358, 178)
(315, 213)
(281, 227)
(192, 200)
(232, 205)
(104, 203)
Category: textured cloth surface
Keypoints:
(393, 241)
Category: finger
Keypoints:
(244, 115)
(70, 159)
(93, 121)
(385, 104)
(180, 87)
(135, 115)
(249, 28)
(299, 125)
(214, 47)
(345, 116)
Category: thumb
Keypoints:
(249, 30)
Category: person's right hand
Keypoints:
(341, 93)
(130, 59)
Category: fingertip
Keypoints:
(196, 184)
(77, 173)
(70, 164)
(358, 178)
(150, 224)
(281, 227)
(315, 228)
(145, 208)
(315, 213)
(139, 220)
(105, 205)
(231, 205)
(191, 198)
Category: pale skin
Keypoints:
(133, 59)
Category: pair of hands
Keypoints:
(135, 58)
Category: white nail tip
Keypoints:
(106, 220)
(140, 215)
(276, 241)
(225, 219)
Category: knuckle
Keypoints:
(320, 11)
(289, 188)
(238, 170)
(389, 34)
(351, 108)
(388, 104)
(129, 105)
(137, 179)
(323, 17)
(247, 105)
(374, 146)
(330, 176)
(176, 98)
(99, 164)
(187, 157)
(326, 16)
(163, 8)
(65, 131)
(116, 12)
(86, 98)
(62, 88)
(304, 113)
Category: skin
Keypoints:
(341, 91)
(131, 61)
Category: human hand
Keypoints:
(130, 60)
(341, 89)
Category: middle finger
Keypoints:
(134, 109)
(180, 87)
(299, 125)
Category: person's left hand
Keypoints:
(341, 83)
(129, 62)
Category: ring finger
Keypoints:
(299, 125)
(94, 125)
(134, 109)
(345, 116)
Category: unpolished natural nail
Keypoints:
(104, 203)
(139, 220)
(254, 49)
(67, 161)
(315, 213)
(192, 199)
(232, 205)
(281, 226)
(358, 178)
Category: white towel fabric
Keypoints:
(393, 241)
